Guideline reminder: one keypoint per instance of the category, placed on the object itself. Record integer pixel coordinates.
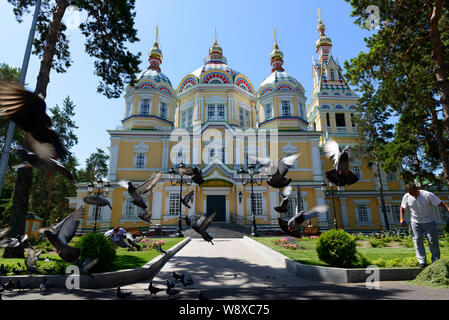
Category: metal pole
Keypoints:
(253, 218)
(179, 234)
(9, 135)
(95, 218)
(333, 205)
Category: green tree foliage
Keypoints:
(96, 167)
(404, 63)
(108, 28)
(97, 246)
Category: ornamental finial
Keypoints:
(157, 32)
(319, 15)
(275, 42)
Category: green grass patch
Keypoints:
(124, 259)
(385, 257)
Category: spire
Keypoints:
(216, 52)
(276, 56)
(323, 44)
(155, 54)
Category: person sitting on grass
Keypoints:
(422, 221)
(118, 237)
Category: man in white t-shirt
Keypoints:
(422, 220)
(118, 237)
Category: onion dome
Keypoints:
(276, 56)
(323, 40)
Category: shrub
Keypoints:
(410, 262)
(96, 245)
(436, 273)
(379, 262)
(377, 243)
(408, 242)
(337, 248)
(362, 261)
(395, 262)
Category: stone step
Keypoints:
(220, 230)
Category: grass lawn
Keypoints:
(124, 259)
(389, 257)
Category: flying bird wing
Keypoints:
(287, 162)
(332, 150)
(267, 166)
(284, 227)
(30, 260)
(123, 184)
(204, 222)
(67, 227)
(287, 192)
(149, 184)
(188, 171)
(316, 211)
(4, 231)
(9, 242)
(41, 149)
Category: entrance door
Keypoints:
(218, 204)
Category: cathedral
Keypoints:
(216, 98)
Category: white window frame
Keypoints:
(290, 113)
(173, 204)
(265, 108)
(141, 105)
(215, 106)
(167, 106)
(142, 160)
(357, 203)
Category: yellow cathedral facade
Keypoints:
(216, 97)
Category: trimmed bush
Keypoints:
(437, 273)
(337, 248)
(96, 245)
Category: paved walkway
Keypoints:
(231, 270)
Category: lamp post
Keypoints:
(97, 190)
(181, 181)
(251, 172)
(329, 190)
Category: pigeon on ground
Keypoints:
(34, 159)
(27, 110)
(170, 284)
(9, 285)
(122, 295)
(176, 276)
(30, 261)
(284, 203)
(159, 248)
(188, 198)
(340, 174)
(202, 296)
(137, 192)
(186, 280)
(172, 292)
(43, 287)
(201, 225)
(98, 200)
(153, 290)
(292, 227)
(62, 234)
(276, 172)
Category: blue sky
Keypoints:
(186, 31)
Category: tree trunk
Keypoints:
(24, 177)
(440, 67)
(381, 194)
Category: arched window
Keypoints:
(332, 75)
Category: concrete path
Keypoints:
(230, 270)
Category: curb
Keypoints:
(105, 279)
(329, 274)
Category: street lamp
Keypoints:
(329, 190)
(181, 181)
(101, 188)
(251, 172)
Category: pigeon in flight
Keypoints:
(292, 227)
(340, 175)
(41, 156)
(137, 192)
(122, 295)
(188, 198)
(195, 173)
(153, 290)
(60, 235)
(201, 225)
(28, 111)
(15, 242)
(282, 208)
(276, 172)
(97, 200)
(4, 231)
